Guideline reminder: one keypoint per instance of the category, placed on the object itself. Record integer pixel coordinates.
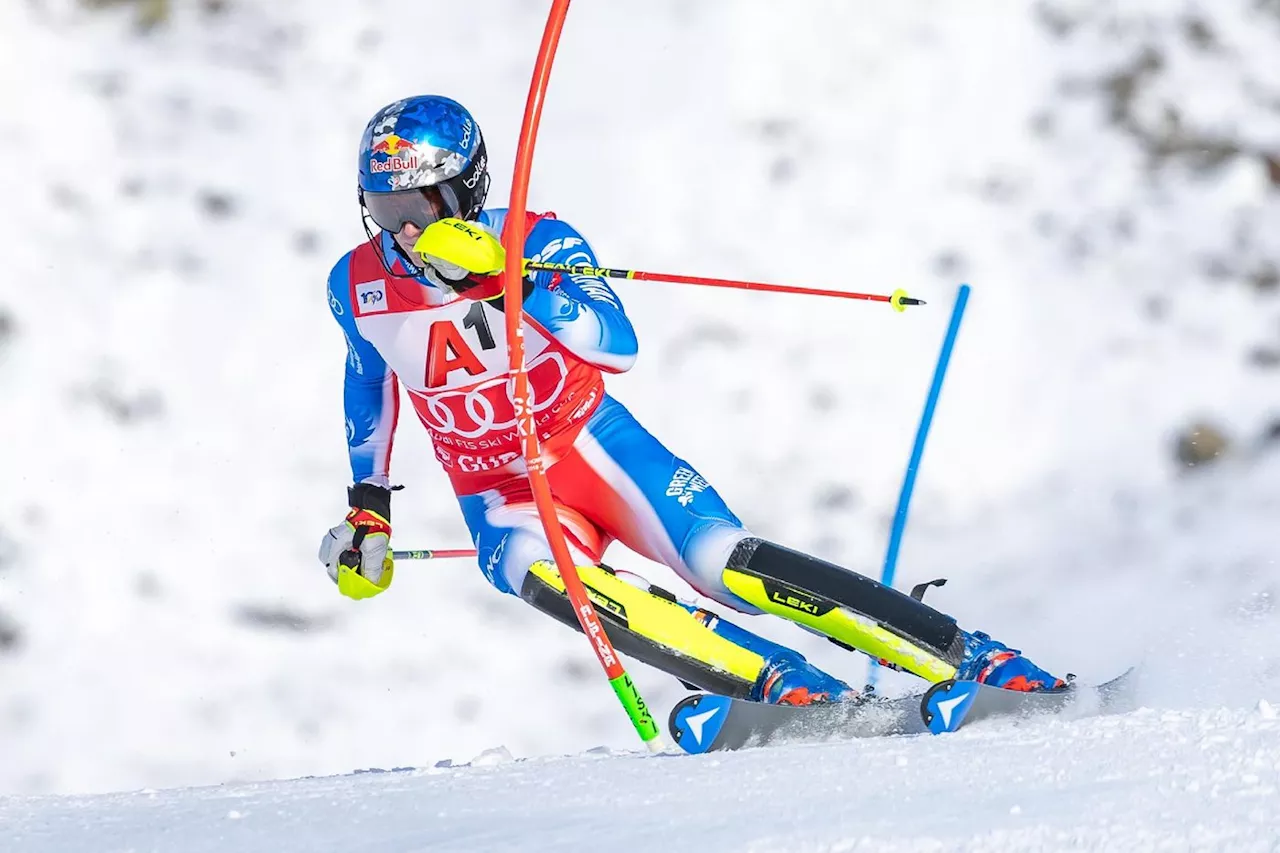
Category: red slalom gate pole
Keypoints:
(513, 237)
(898, 299)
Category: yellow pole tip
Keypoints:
(895, 299)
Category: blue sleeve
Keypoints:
(580, 311)
(370, 393)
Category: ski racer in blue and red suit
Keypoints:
(435, 328)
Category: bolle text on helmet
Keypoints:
(470, 183)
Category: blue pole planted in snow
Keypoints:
(917, 452)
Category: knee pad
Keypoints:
(707, 551)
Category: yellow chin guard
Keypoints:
(352, 584)
(463, 244)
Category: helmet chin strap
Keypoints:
(375, 240)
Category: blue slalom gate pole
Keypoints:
(917, 451)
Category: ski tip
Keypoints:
(696, 721)
(946, 703)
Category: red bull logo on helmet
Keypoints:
(400, 153)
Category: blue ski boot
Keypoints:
(990, 662)
(789, 679)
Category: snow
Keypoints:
(1150, 780)
(172, 448)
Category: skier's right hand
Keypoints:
(458, 250)
(468, 258)
(355, 553)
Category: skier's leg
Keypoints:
(858, 612)
(694, 645)
(631, 486)
(622, 479)
(508, 534)
(642, 621)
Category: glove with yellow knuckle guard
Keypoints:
(355, 553)
(468, 258)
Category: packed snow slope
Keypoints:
(171, 446)
(1167, 781)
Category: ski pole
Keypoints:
(898, 299)
(433, 554)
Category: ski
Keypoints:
(705, 722)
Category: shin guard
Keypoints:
(650, 626)
(850, 609)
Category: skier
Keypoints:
(417, 310)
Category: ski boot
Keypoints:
(786, 678)
(990, 662)
(789, 679)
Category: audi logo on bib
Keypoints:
(483, 409)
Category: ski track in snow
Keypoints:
(1148, 780)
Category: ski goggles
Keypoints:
(421, 206)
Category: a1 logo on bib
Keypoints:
(371, 297)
